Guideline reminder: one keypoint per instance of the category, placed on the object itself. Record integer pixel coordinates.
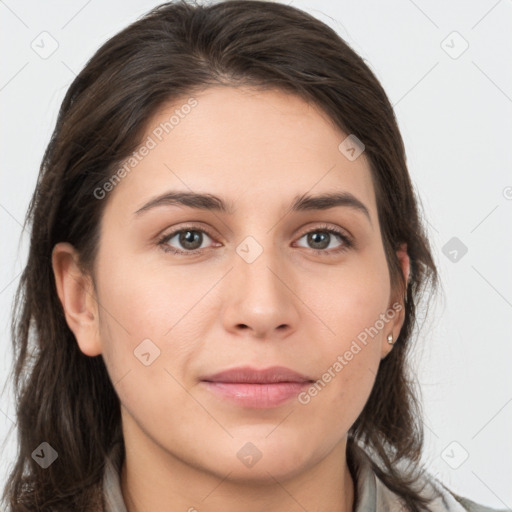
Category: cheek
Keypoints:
(351, 303)
(139, 308)
(347, 360)
(348, 299)
(145, 344)
(145, 300)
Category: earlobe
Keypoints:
(77, 296)
(387, 344)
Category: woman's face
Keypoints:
(249, 288)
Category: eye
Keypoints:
(189, 240)
(321, 239)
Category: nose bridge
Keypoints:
(260, 298)
(258, 264)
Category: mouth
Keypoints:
(257, 389)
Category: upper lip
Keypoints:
(249, 375)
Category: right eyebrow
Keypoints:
(190, 199)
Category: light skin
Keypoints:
(214, 310)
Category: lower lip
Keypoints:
(257, 396)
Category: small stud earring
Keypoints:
(390, 339)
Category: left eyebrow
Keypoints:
(329, 200)
(300, 203)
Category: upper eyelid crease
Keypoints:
(301, 203)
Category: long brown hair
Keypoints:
(66, 398)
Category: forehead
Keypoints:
(244, 145)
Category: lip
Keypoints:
(249, 375)
(257, 388)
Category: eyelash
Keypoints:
(348, 242)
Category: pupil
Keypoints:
(188, 238)
(319, 238)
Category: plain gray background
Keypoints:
(446, 69)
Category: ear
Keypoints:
(78, 298)
(397, 305)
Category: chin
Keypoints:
(258, 457)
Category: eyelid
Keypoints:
(328, 227)
(346, 237)
(163, 239)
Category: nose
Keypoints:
(259, 298)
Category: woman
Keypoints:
(225, 264)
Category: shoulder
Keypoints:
(442, 498)
(374, 496)
(471, 506)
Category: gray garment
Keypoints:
(371, 494)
